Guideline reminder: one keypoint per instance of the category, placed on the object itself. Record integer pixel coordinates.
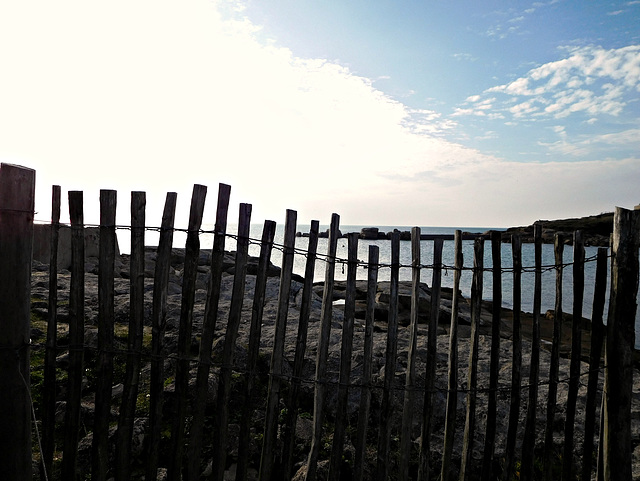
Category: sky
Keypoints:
(428, 113)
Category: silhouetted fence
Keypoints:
(374, 414)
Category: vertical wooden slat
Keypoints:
(266, 246)
(17, 193)
(365, 391)
(340, 425)
(158, 325)
(107, 253)
(576, 352)
(49, 389)
(301, 347)
(554, 362)
(452, 384)
(409, 385)
(472, 383)
(430, 376)
(192, 254)
(134, 339)
(516, 375)
(221, 419)
(386, 410)
(192, 468)
(326, 317)
(76, 338)
(267, 461)
(595, 358)
(529, 441)
(618, 380)
(494, 367)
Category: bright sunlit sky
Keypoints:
(463, 113)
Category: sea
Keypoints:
(426, 253)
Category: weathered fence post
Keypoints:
(340, 426)
(365, 391)
(595, 358)
(221, 420)
(301, 347)
(267, 461)
(49, 388)
(618, 380)
(158, 324)
(576, 353)
(192, 468)
(17, 188)
(430, 375)
(189, 277)
(100, 444)
(516, 375)
(494, 367)
(452, 386)
(323, 349)
(529, 441)
(554, 362)
(266, 246)
(134, 339)
(386, 409)
(409, 385)
(472, 383)
(76, 338)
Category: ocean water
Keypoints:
(426, 251)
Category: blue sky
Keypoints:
(391, 113)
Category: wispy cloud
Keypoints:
(582, 144)
(591, 80)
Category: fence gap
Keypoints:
(267, 461)
(595, 359)
(134, 339)
(618, 381)
(430, 375)
(104, 366)
(326, 316)
(365, 390)
(386, 410)
(452, 384)
(488, 468)
(221, 420)
(17, 193)
(192, 253)
(49, 387)
(76, 338)
(516, 375)
(472, 383)
(158, 325)
(576, 353)
(409, 385)
(268, 234)
(341, 420)
(193, 468)
(529, 440)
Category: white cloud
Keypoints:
(591, 80)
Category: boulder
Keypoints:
(42, 244)
(369, 233)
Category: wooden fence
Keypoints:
(402, 421)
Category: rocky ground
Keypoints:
(40, 296)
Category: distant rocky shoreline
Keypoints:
(596, 231)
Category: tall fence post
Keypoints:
(17, 190)
(618, 380)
